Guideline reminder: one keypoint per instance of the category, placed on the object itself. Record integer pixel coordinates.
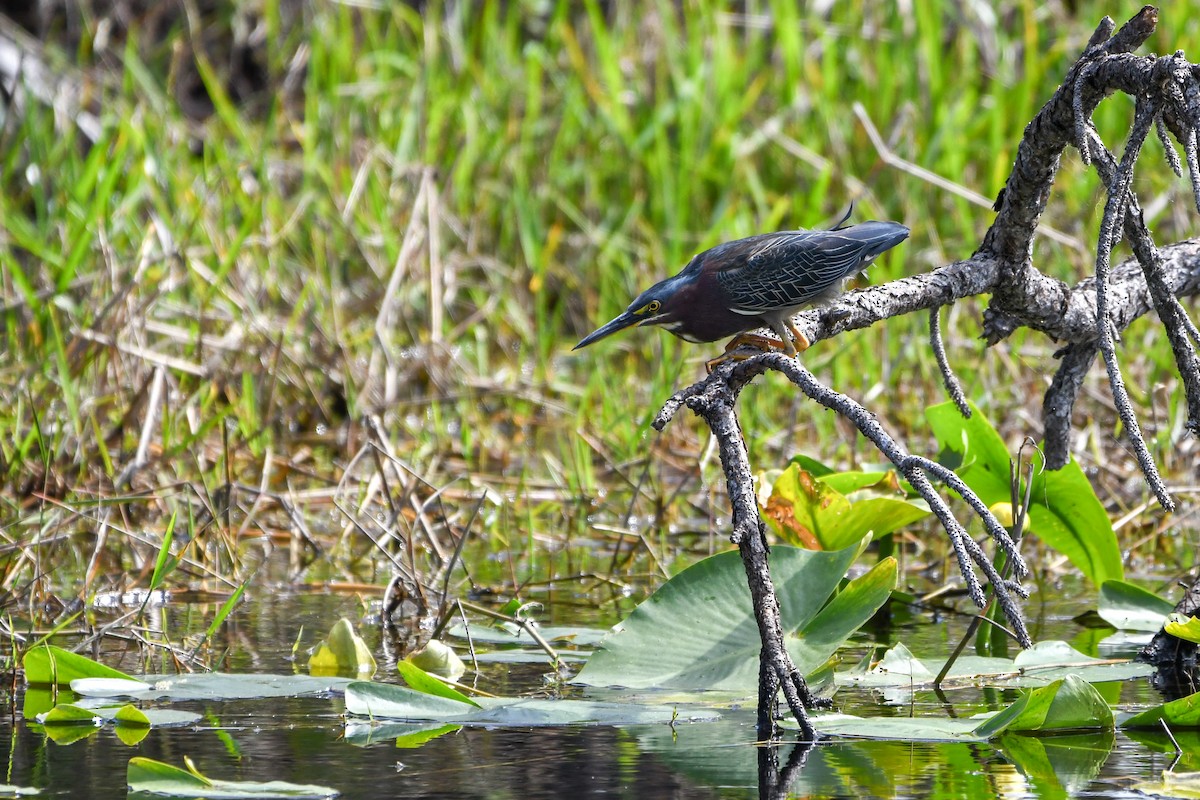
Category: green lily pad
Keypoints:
(438, 659)
(510, 633)
(386, 701)
(1064, 704)
(405, 735)
(421, 681)
(126, 715)
(909, 729)
(1131, 608)
(1181, 713)
(1041, 664)
(109, 687)
(227, 686)
(342, 653)
(69, 714)
(698, 630)
(155, 777)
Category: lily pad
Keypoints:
(1042, 664)
(421, 681)
(438, 659)
(155, 777)
(1065, 704)
(69, 714)
(698, 630)
(1131, 608)
(909, 729)
(228, 686)
(109, 687)
(386, 701)
(342, 653)
(1183, 627)
(405, 735)
(510, 633)
(810, 512)
(1181, 713)
(125, 715)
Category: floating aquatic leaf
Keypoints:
(126, 715)
(909, 729)
(1132, 608)
(1065, 704)
(1181, 713)
(386, 701)
(698, 630)
(342, 653)
(227, 686)
(109, 687)
(155, 777)
(508, 633)
(404, 735)
(422, 681)
(69, 714)
(1183, 627)
(437, 658)
(1041, 664)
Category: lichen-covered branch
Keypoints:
(1089, 315)
(1086, 317)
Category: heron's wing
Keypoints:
(792, 268)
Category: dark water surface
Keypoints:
(302, 740)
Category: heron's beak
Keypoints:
(626, 320)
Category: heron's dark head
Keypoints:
(658, 305)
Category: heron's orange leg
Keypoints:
(755, 340)
(802, 342)
(764, 343)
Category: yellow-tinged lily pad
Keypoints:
(342, 653)
(438, 659)
(1183, 627)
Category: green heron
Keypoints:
(758, 282)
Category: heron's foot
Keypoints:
(801, 341)
(735, 350)
(757, 341)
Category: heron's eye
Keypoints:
(653, 306)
